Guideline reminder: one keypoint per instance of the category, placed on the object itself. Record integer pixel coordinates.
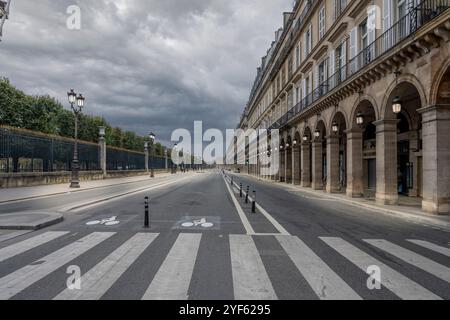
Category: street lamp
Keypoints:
(335, 127)
(397, 105)
(359, 119)
(317, 133)
(305, 137)
(152, 140)
(76, 104)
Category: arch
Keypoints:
(340, 117)
(358, 102)
(437, 80)
(321, 126)
(366, 107)
(307, 132)
(336, 112)
(403, 78)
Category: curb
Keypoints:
(39, 224)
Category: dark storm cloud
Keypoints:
(143, 64)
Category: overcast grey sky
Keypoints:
(143, 64)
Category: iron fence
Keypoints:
(23, 151)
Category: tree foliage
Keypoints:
(45, 114)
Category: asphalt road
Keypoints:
(205, 243)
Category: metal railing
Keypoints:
(24, 151)
(416, 18)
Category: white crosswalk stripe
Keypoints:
(173, 278)
(21, 279)
(100, 278)
(391, 279)
(250, 279)
(31, 243)
(431, 246)
(322, 279)
(412, 258)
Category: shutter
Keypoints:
(371, 32)
(305, 53)
(332, 69)
(387, 14)
(310, 37)
(303, 88)
(353, 49)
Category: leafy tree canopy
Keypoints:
(45, 114)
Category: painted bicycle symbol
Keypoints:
(201, 222)
(106, 222)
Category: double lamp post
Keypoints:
(77, 104)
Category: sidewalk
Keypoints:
(24, 193)
(407, 211)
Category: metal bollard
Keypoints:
(240, 190)
(254, 202)
(246, 194)
(146, 217)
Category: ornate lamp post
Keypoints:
(152, 141)
(77, 104)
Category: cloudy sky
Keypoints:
(143, 64)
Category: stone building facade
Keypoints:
(360, 92)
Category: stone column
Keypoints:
(102, 144)
(436, 159)
(387, 161)
(355, 177)
(296, 165)
(288, 176)
(305, 179)
(282, 166)
(317, 178)
(332, 164)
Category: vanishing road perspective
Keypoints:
(224, 158)
(204, 242)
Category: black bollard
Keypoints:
(254, 202)
(240, 190)
(146, 217)
(246, 194)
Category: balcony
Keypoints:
(410, 24)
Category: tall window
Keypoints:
(308, 40)
(297, 56)
(321, 22)
(339, 6)
(340, 61)
(322, 76)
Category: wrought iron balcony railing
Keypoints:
(416, 18)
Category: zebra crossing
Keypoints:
(251, 278)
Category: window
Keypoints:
(297, 56)
(321, 22)
(340, 61)
(339, 6)
(308, 40)
(297, 95)
(322, 76)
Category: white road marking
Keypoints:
(173, 278)
(100, 278)
(391, 279)
(271, 219)
(28, 244)
(250, 279)
(322, 279)
(96, 202)
(248, 227)
(443, 250)
(412, 258)
(21, 279)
